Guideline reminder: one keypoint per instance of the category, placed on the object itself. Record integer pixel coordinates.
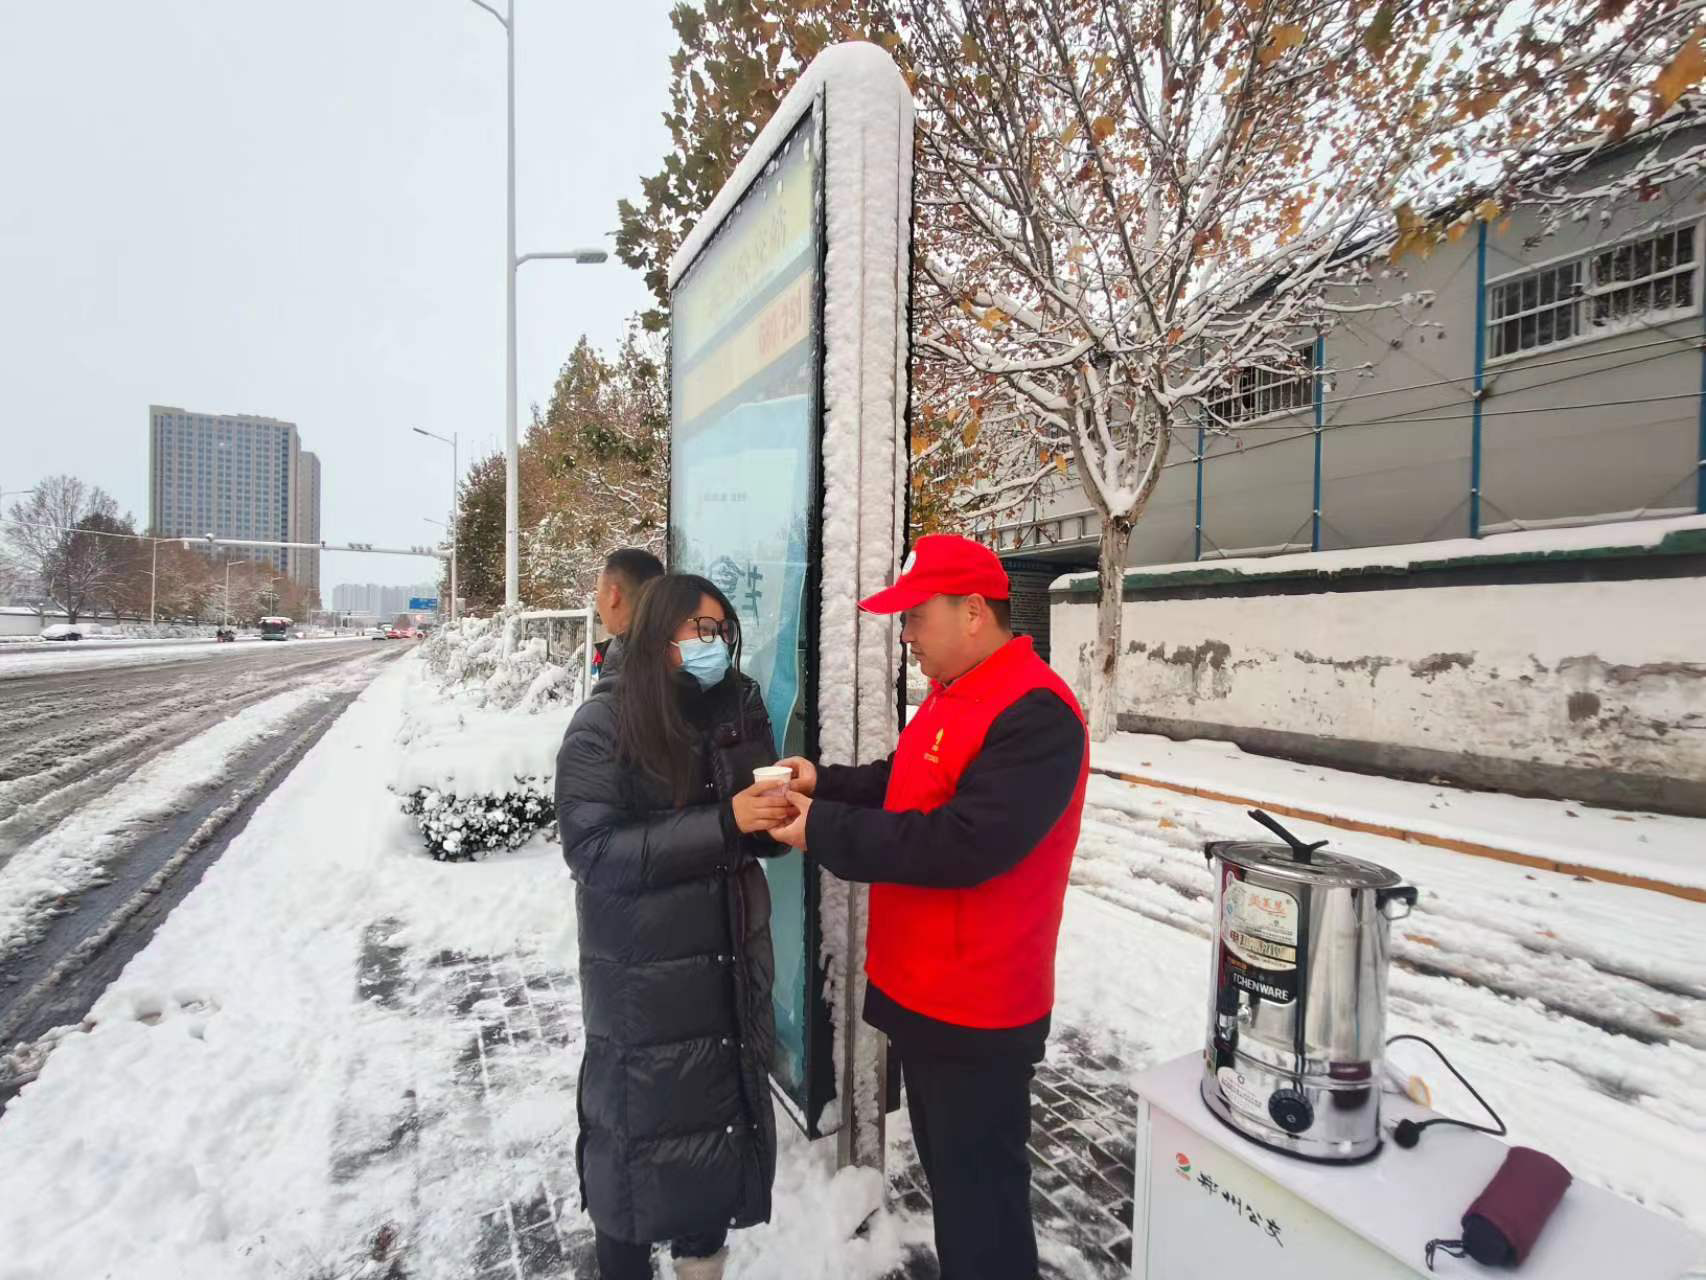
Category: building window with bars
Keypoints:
(1643, 281)
(1266, 391)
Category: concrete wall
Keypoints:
(1592, 690)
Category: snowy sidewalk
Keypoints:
(1646, 849)
(340, 1060)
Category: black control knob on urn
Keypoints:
(1291, 1110)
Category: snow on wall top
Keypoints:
(1631, 535)
(857, 64)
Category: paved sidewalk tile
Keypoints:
(519, 1022)
(1083, 1157)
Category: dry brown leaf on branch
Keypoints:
(1482, 103)
(1413, 234)
(1682, 73)
(1102, 128)
(1283, 40)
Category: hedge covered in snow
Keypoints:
(477, 766)
(461, 830)
(467, 659)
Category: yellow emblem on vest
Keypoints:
(935, 746)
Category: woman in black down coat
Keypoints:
(662, 828)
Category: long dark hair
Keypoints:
(651, 732)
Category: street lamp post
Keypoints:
(448, 615)
(228, 565)
(455, 503)
(512, 463)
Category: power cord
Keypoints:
(1408, 1133)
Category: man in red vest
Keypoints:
(966, 835)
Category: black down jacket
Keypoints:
(677, 1133)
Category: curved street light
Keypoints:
(512, 263)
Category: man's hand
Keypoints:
(757, 810)
(794, 831)
(805, 774)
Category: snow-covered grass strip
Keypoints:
(1658, 847)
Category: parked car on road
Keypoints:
(225, 635)
(62, 631)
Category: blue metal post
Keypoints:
(1320, 411)
(1700, 464)
(1196, 553)
(1480, 375)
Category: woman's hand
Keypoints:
(757, 810)
(794, 831)
(805, 774)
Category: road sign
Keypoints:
(423, 603)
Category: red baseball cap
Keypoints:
(942, 565)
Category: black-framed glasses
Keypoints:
(725, 629)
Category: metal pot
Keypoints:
(1297, 1023)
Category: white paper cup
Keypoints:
(772, 777)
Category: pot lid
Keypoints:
(1322, 867)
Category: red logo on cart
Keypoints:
(1184, 1169)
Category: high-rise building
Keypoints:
(305, 565)
(235, 476)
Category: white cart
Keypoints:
(1212, 1205)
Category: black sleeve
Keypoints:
(620, 849)
(1008, 798)
(861, 784)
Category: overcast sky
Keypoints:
(297, 209)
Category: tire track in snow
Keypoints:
(43, 878)
(36, 793)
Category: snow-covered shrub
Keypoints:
(477, 777)
(462, 829)
(468, 661)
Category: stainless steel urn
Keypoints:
(1297, 1024)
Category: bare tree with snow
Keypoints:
(59, 538)
(1129, 209)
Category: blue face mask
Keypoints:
(707, 661)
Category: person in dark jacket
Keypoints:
(662, 827)
(966, 835)
(626, 572)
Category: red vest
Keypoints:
(981, 957)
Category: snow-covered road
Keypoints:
(109, 774)
(17, 662)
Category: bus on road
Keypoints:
(275, 628)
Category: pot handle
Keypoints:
(1405, 893)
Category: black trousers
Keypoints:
(620, 1260)
(971, 1121)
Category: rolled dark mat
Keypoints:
(1501, 1226)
